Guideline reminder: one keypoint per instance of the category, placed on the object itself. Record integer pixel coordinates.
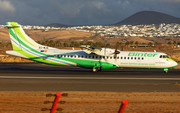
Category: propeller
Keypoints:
(115, 53)
(104, 57)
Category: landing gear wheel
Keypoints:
(166, 71)
(95, 69)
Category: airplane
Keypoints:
(91, 57)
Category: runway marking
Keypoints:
(87, 78)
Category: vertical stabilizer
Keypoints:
(20, 40)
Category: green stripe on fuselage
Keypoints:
(38, 59)
(170, 59)
(89, 63)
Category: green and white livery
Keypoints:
(89, 57)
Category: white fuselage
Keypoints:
(126, 59)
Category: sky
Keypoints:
(80, 12)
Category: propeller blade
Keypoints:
(116, 51)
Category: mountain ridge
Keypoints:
(57, 25)
(139, 18)
(148, 17)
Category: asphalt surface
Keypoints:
(40, 77)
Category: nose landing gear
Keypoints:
(165, 70)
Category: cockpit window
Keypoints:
(163, 56)
(166, 56)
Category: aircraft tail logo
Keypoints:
(18, 37)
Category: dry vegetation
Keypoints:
(4, 36)
(90, 102)
(38, 35)
(77, 36)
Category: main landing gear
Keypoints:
(96, 69)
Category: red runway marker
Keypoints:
(55, 102)
(123, 105)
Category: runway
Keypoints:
(39, 77)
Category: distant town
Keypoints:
(109, 32)
(162, 30)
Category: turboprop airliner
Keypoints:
(91, 57)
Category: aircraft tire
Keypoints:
(95, 69)
(99, 69)
(166, 71)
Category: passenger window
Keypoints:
(121, 57)
(71, 56)
(161, 56)
(134, 58)
(89, 56)
(124, 57)
(64, 55)
(142, 58)
(68, 56)
(128, 58)
(92, 56)
(85, 56)
(96, 57)
(117, 57)
(100, 57)
(164, 56)
(107, 57)
(74, 56)
(110, 57)
(114, 57)
(138, 58)
(78, 56)
(103, 56)
(131, 58)
(82, 56)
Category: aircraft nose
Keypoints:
(175, 63)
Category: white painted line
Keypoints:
(87, 78)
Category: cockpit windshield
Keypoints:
(163, 56)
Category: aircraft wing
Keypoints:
(92, 49)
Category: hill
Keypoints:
(149, 17)
(4, 35)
